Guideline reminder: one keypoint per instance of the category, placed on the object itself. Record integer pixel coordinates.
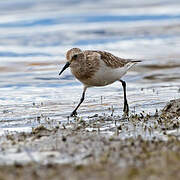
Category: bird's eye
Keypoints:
(75, 56)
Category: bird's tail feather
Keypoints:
(131, 63)
(135, 61)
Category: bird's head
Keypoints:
(72, 56)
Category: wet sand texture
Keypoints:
(76, 153)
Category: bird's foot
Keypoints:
(73, 114)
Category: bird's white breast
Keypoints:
(106, 75)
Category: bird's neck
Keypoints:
(79, 69)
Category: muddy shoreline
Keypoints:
(38, 141)
(82, 149)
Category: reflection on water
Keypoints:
(34, 37)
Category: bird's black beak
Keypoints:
(65, 67)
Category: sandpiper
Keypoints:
(97, 68)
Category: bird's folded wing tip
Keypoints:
(136, 61)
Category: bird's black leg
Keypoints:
(126, 106)
(74, 113)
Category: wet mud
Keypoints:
(82, 150)
(37, 138)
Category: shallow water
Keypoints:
(35, 35)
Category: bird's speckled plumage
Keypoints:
(111, 60)
(97, 68)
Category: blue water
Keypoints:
(89, 19)
(34, 38)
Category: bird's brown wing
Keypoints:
(111, 60)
